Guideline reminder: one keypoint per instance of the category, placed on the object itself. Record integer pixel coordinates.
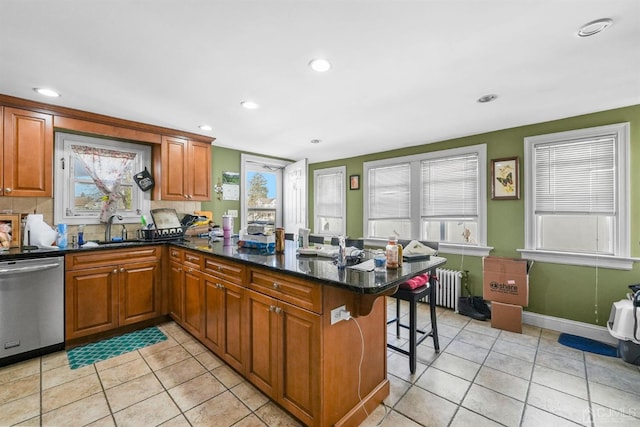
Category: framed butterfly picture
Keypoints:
(505, 179)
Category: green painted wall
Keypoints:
(222, 160)
(556, 290)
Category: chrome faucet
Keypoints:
(107, 230)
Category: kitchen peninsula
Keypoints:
(269, 316)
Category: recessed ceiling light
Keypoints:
(487, 98)
(205, 127)
(47, 92)
(315, 141)
(320, 65)
(249, 105)
(594, 27)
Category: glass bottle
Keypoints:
(392, 253)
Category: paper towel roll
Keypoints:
(39, 233)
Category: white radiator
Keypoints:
(448, 288)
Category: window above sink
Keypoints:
(94, 179)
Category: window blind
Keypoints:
(389, 189)
(330, 193)
(450, 186)
(576, 177)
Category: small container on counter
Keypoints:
(392, 253)
(279, 240)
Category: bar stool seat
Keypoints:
(416, 336)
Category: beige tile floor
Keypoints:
(481, 377)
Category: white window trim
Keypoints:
(330, 171)
(622, 259)
(62, 180)
(275, 163)
(480, 249)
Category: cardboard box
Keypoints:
(505, 280)
(506, 316)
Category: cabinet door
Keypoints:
(299, 361)
(91, 301)
(140, 292)
(214, 315)
(193, 316)
(234, 320)
(262, 354)
(28, 154)
(174, 173)
(176, 290)
(199, 169)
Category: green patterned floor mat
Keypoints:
(103, 350)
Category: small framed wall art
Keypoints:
(10, 231)
(354, 182)
(505, 179)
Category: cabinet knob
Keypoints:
(275, 285)
(7, 190)
(219, 268)
(174, 253)
(121, 269)
(278, 310)
(219, 285)
(186, 197)
(115, 271)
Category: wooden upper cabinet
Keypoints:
(200, 170)
(186, 169)
(27, 158)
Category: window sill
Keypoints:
(443, 248)
(600, 261)
(471, 250)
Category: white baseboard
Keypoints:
(586, 330)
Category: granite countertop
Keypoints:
(317, 268)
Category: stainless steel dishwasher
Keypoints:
(31, 308)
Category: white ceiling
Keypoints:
(404, 72)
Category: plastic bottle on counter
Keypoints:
(392, 253)
(81, 235)
(62, 236)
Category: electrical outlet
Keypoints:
(336, 314)
(233, 213)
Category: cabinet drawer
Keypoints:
(303, 294)
(176, 254)
(224, 269)
(107, 257)
(193, 259)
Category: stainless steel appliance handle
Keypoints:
(30, 269)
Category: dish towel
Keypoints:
(416, 282)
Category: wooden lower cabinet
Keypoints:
(106, 290)
(193, 319)
(139, 291)
(284, 354)
(176, 291)
(224, 320)
(275, 330)
(91, 302)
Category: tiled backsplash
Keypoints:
(44, 206)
